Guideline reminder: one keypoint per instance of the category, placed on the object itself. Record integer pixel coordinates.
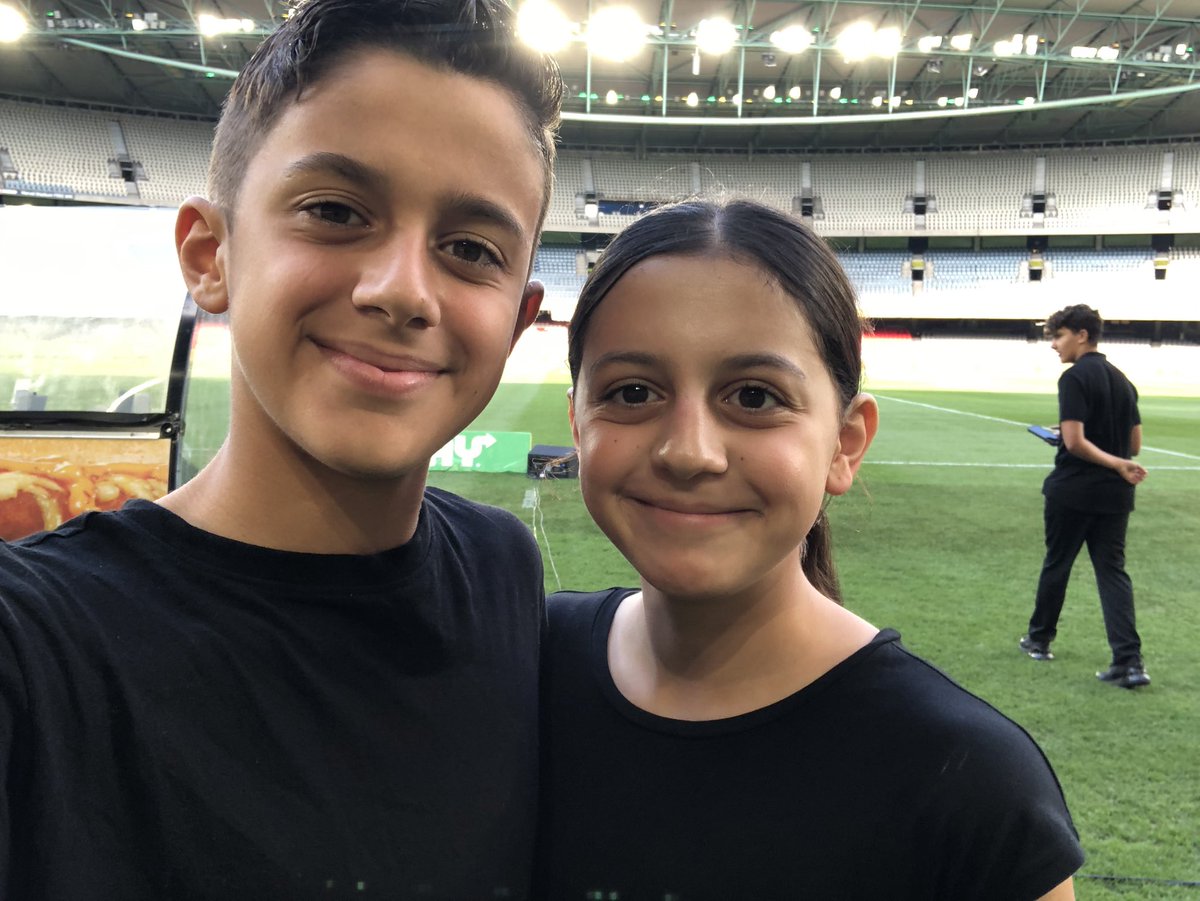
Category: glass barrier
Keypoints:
(89, 308)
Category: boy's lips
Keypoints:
(378, 370)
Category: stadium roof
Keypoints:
(1034, 72)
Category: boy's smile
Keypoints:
(375, 265)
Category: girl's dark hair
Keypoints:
(783, 248)
(473, 37)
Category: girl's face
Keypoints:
(708, 427)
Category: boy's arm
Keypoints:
(1079, 446)
(1135, 441)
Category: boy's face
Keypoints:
(1069, 345)
(375, 271)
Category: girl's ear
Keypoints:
(200, 232)
(859, 425)
(571, 417)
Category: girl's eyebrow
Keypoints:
(767, 360)
(741, 361)
(634, 357)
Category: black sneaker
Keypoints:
(1035, 649)
(1126, 676)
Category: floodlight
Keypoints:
(1031, 42)
(769, 92)
(962, 42)
(616, 33)
(610, 98)
(693, 99)
(793, 39)
(543, 26)
(1108, 53)
(715, 36)
(794, 92)
(1005, 48)
(886, 42)
(835, 93)
(973, 93)
(942, 101)
(138, 24)
(1030, 101)
(929, 43)
(209, 25)
(856, 41)
(877, 100)
(1084, 52)
(12, 24)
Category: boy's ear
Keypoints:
(531, 302)
(859, 426)
(200, 232)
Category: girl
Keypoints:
(729, 731)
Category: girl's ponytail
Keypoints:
(817, 559)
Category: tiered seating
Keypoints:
(64, 149)
(173, 154)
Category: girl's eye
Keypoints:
(755, 397)
(631, 395)
(332, 212)
(474, 252)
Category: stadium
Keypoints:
(974, 166)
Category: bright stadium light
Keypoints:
(861, 39)
(693, 99)
(886, 42)
(211, 26)
(855, 41)
(1084, 52)
(543, 26)
(962, 42)
(12, 24)
(769, 92)
(793, 39)
(1109, 53)
(835, 92)
(929, 43)
(611, 97)
(715, 36)
(794, 92)
(616, 33)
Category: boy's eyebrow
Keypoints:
(339, 164)
(472, 206)
(352, 170)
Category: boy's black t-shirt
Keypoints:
(1096, 393)
(883, 779)
(188, 717)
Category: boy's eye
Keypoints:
(473, 252)
(332, 212)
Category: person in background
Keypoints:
(1089, 493)
(728, 729)
(303, 674)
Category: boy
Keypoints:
(302, 674)
(1089, 493)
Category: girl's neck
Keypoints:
(712, 658)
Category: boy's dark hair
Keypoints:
(1077, 318)
(784, 249)
(473, 37)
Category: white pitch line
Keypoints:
(914, 403)
(869, 462)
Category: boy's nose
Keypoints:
(399, 283)
(691, 443)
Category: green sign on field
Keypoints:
(484, 452)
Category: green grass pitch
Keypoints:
(942, 540)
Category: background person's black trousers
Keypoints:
(1067, 530)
